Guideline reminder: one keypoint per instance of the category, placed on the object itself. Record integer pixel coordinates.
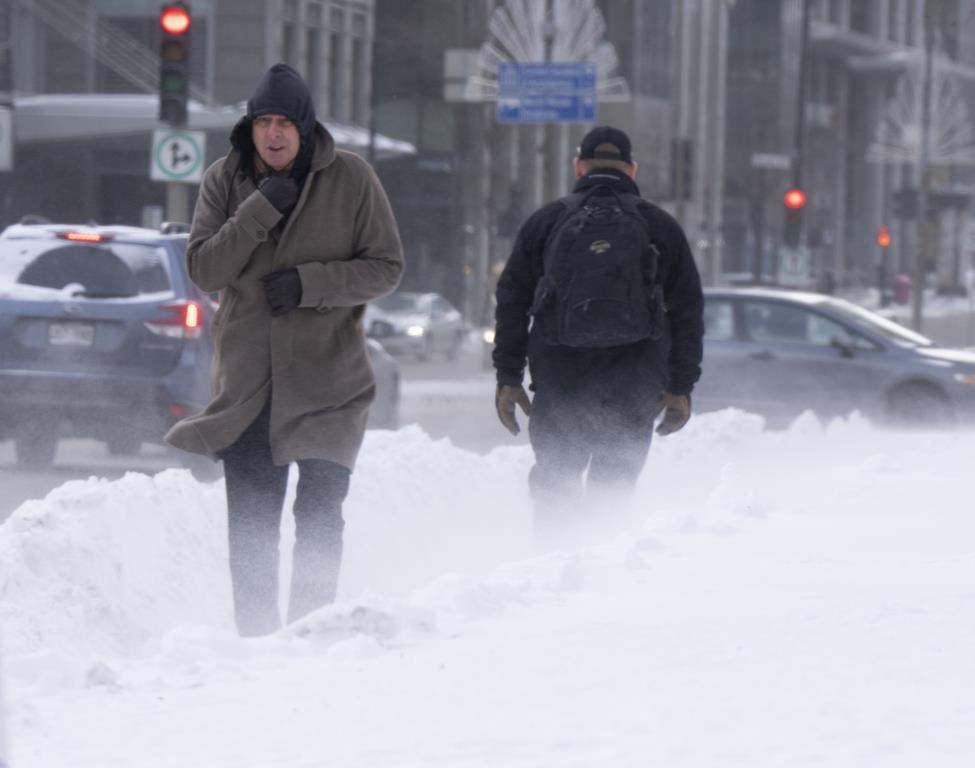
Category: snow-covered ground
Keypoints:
(796, 598)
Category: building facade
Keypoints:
(474, 179)
(707, 89)
(855, 133)
(106, 51)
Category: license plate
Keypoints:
(71, 334)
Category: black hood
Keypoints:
(280, 91)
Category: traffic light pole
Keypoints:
(800, 126)
(925, 244)
(177, 202)
(174, 84)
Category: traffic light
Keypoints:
(174, 63)
(883, 236)
(795, 201)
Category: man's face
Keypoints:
(276, 140)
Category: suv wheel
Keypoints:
(919, 406)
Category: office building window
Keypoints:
(313, 48)
(336, 70)
(835, 13)
(289, 18)
(861, 18)
(360, 68)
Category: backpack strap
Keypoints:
(570, 204)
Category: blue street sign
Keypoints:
(547, 92)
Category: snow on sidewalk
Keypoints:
(778, 599)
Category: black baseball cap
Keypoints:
(605, 143)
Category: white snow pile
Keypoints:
(768, 599)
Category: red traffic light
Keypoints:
(174, 19)
(883, 236)
(794, 199)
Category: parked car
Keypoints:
(103, 335)
(779, 353)
(420, 324)
(487, 348)
(384, 411)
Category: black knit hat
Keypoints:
(605, 143)
(282, 91)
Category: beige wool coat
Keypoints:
(312, 362)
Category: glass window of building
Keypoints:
(336, 45)
(289, 17)
(837, 13)
(313, 47)
(360, 68)
(860, 17)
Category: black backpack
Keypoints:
(598, 287)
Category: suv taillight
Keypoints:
(186, 321)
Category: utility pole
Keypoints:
(683, 106)
(175, 22)
(922, 254)
(550, 140)
(6, 52)
(6, 86)
(800, 126)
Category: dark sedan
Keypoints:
(780, 353)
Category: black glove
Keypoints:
(505, 400)
(280, 190)
(283, 290)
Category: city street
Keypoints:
(453, 400)
(446, 399)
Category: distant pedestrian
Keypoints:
(297, 236)
(602, 298)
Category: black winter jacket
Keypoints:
(642, 369)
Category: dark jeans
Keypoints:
(255, 496)
(573, 431)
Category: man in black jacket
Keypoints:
(595, 407)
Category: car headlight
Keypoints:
(488, 335)
(964, 377)
(416, 331)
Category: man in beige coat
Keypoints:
(296, 236)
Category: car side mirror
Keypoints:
(845, 348)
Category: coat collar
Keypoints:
(323, 155)
(325, 150)
(609, 177)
